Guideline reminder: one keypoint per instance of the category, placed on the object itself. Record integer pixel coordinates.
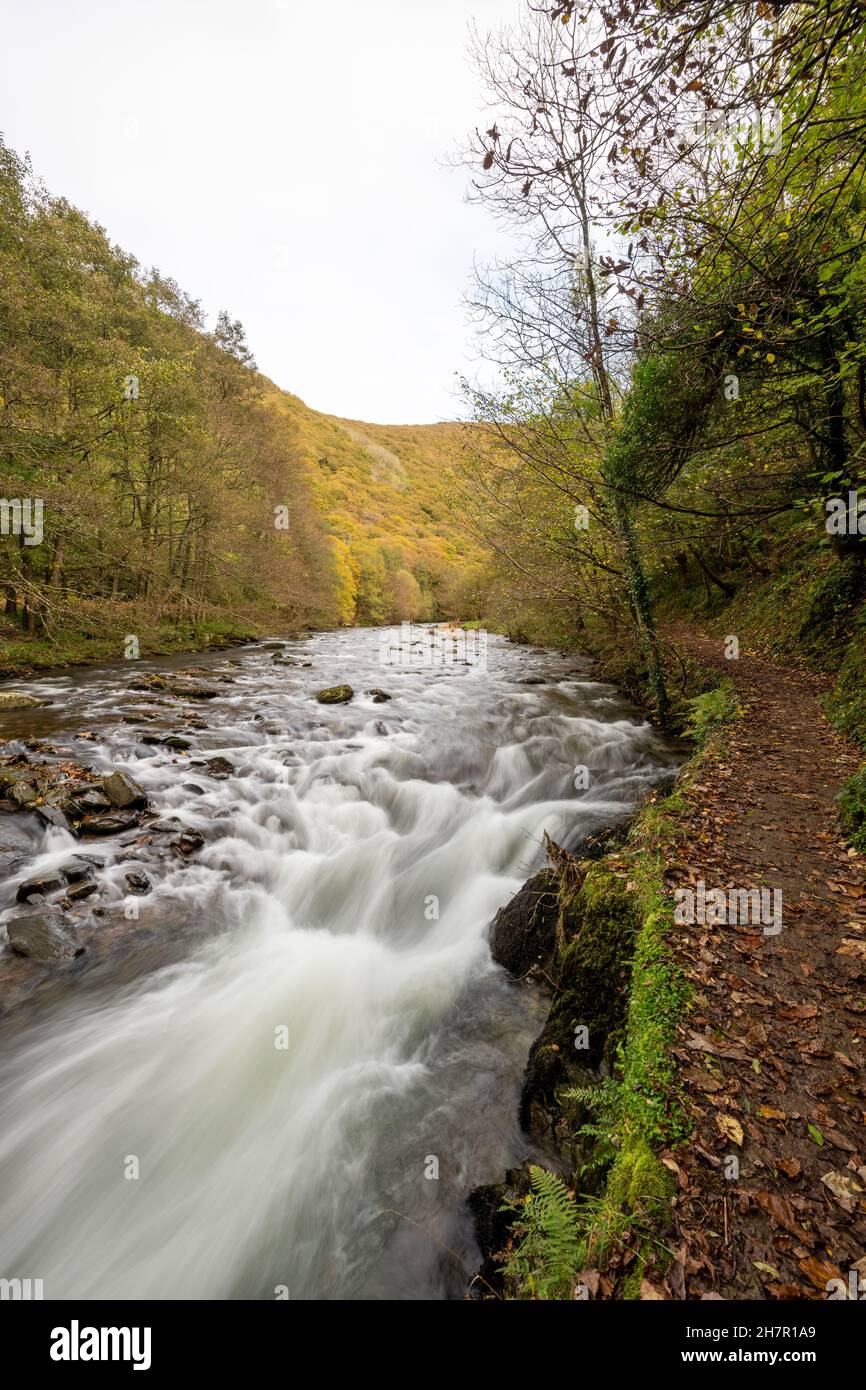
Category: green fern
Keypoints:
(549, 1249)
(602, 1102)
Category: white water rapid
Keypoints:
(266, 1105)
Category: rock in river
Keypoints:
(138, 883)
(123, 790)
(50, 815)
(41, 887)
(44, 936)
(23, 794)
(114, 824)
(14, 699)
(335, 695)
(524, 930)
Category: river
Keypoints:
(314, 1059)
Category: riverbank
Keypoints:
(26, 654)
(717, 1150)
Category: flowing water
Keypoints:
(267, 1105)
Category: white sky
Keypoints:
(282, 159)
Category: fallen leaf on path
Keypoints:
(780, 1210)
(767, 1112)
(820, 1272)
(791, 1167)
(844, 1188)
(731, 1128)
(649, 1291)
(799, 1011)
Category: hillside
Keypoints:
(382, 493)
(159, 493)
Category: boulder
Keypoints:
(137, 883)
(108, 825)
(523, 933)
(43, 936)
(219, 767)
(335, 695)
(194, 692)
(23, 794)
(77, 871)
(15, 699)
(41, 887)
(93, 801)
(123, 790)
(187, 843)
(379, 696)
(76, 891)
(50, 815)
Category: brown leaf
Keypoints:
(731, 1128)
(649, 1291)
(767, 1112)
(820, 1272)
(780, 1210)
(844, 1187)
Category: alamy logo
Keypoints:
(846, 518)
(22, 516)
(434, 647)
(75, 1343)
(737, 907)
(855, 1288)
(24, 1289)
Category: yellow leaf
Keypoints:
(771, 357)
(731, 1128)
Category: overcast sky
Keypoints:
(282, 159)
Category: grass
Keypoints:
(21, 654)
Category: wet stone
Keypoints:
(108, 825)
(188, 843)
(41, 887)
(138, 883)
(335, 695)
(43, 936)
(123, 790)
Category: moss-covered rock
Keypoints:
(335, 695)
(596, 930)
(523, 933)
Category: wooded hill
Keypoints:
(157, 485)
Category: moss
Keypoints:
(24, 654)
(852, 806)
(709, 711)
(597, 925)
(845, 706)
